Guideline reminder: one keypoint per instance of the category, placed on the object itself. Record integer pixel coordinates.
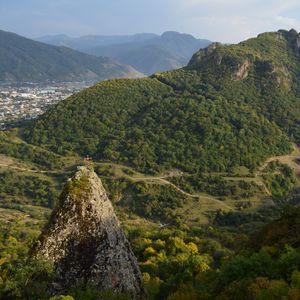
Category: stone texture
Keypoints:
(84, 240)
(210, 51)
(297, 45)
(242, 70)
(294, 39)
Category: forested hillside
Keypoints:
(231, 106)
(25, 60)
(152, 127)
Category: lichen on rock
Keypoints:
(84, 240)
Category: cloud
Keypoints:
(235, 20)
(219, 20)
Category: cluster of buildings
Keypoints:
(20, 103)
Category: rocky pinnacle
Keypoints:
(84, 240)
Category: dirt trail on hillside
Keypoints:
(288, 159)
(9, 166)
(21, 169)
(163, 180)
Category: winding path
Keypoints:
(22, 169)
(287, 159)
(163, 180)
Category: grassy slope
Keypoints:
(196, 208)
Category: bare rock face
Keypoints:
(211, 51)
(297, 45)
(294, 40)
(242, 70)
(85, 242)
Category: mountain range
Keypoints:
(146, 52)
(202, 165)
(25, 60)
(91, 41)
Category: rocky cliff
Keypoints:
(271, 56)
(84, 240)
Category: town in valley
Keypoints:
(27, 101)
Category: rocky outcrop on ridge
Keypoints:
(84, 240)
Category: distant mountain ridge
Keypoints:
(146, 52)
(25, 60)
(91, 41)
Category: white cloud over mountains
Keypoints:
(219, 20)
(235, 20)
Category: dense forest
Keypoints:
(146, 124)
(177, 263)
(231, 106)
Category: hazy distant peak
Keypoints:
(175, 34)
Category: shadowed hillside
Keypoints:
(25, 60)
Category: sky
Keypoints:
(226, 21)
